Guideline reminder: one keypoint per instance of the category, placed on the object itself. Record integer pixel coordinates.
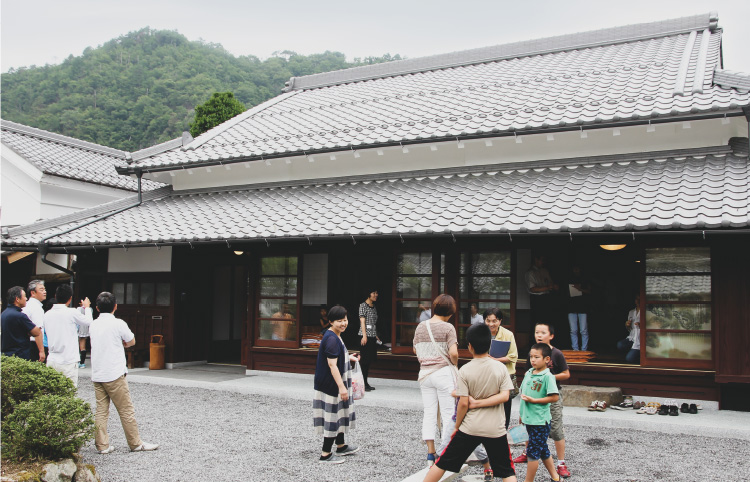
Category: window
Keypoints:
(415, 279)
(678, 305)
(484, 282)
(277, 305)
(147, 293)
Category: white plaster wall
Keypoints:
(20, 194)
(140, 260)
(59, 259)
(63, 196)
(704, 133)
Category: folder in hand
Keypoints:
(499, 349)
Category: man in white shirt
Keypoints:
(476, 317)
(108, 371)
(61, 326)
(35, 311)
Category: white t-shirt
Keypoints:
(635, 328)
(107, 352)
(61, 326)
(35, 311)
(477, 319)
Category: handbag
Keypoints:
(358, 382)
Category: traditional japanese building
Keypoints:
(623, 151)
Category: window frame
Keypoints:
(684, 363)
(258, 299)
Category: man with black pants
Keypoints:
(17, 327)
(368, 320)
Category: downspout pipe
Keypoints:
(44, 246)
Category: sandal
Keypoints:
(601, 406)
(650, 411)
(593, 405)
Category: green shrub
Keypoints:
(50, 426)
(23, 380)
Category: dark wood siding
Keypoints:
(731, 293)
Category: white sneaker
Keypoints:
(145, 447)
(108, 450)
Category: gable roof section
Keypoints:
(677, 190)
(66, 157)
(635, 73)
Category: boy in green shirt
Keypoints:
(538, 390)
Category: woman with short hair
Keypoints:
(333, 406)
(436, 347)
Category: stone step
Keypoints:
(582, 395)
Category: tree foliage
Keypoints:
(23, 380)
(221, 107)
(141, 88)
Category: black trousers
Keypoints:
(369, 354)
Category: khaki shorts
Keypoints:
(557, 431)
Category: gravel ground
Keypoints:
(208, 435)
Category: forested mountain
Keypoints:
(141, 88)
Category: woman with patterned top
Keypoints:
(368, 330)
(333, 406)
(436, 347)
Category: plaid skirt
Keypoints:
(331, 415)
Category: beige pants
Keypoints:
(70, 370)
(118, 392)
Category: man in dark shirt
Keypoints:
(16, 326)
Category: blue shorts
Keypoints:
(538, 448)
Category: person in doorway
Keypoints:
(324, 323)
(481, 422)
(17, 327)
(333, 406)
(436, 346)
(474, 316)
(282, 322)
(368, 331)
(425, 312)
(558, 366)
(34, 309)
(632, 344)
(61, 326)
(108, 371)
(541, 287)
(83, 336)
(578, 308)
(494, 318)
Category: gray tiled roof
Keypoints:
(702, 188)
(729, 79)
(659, 70)
(70, 158)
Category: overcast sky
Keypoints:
(38, 32)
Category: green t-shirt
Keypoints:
(537, 385)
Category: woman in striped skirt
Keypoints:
(333, 406)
